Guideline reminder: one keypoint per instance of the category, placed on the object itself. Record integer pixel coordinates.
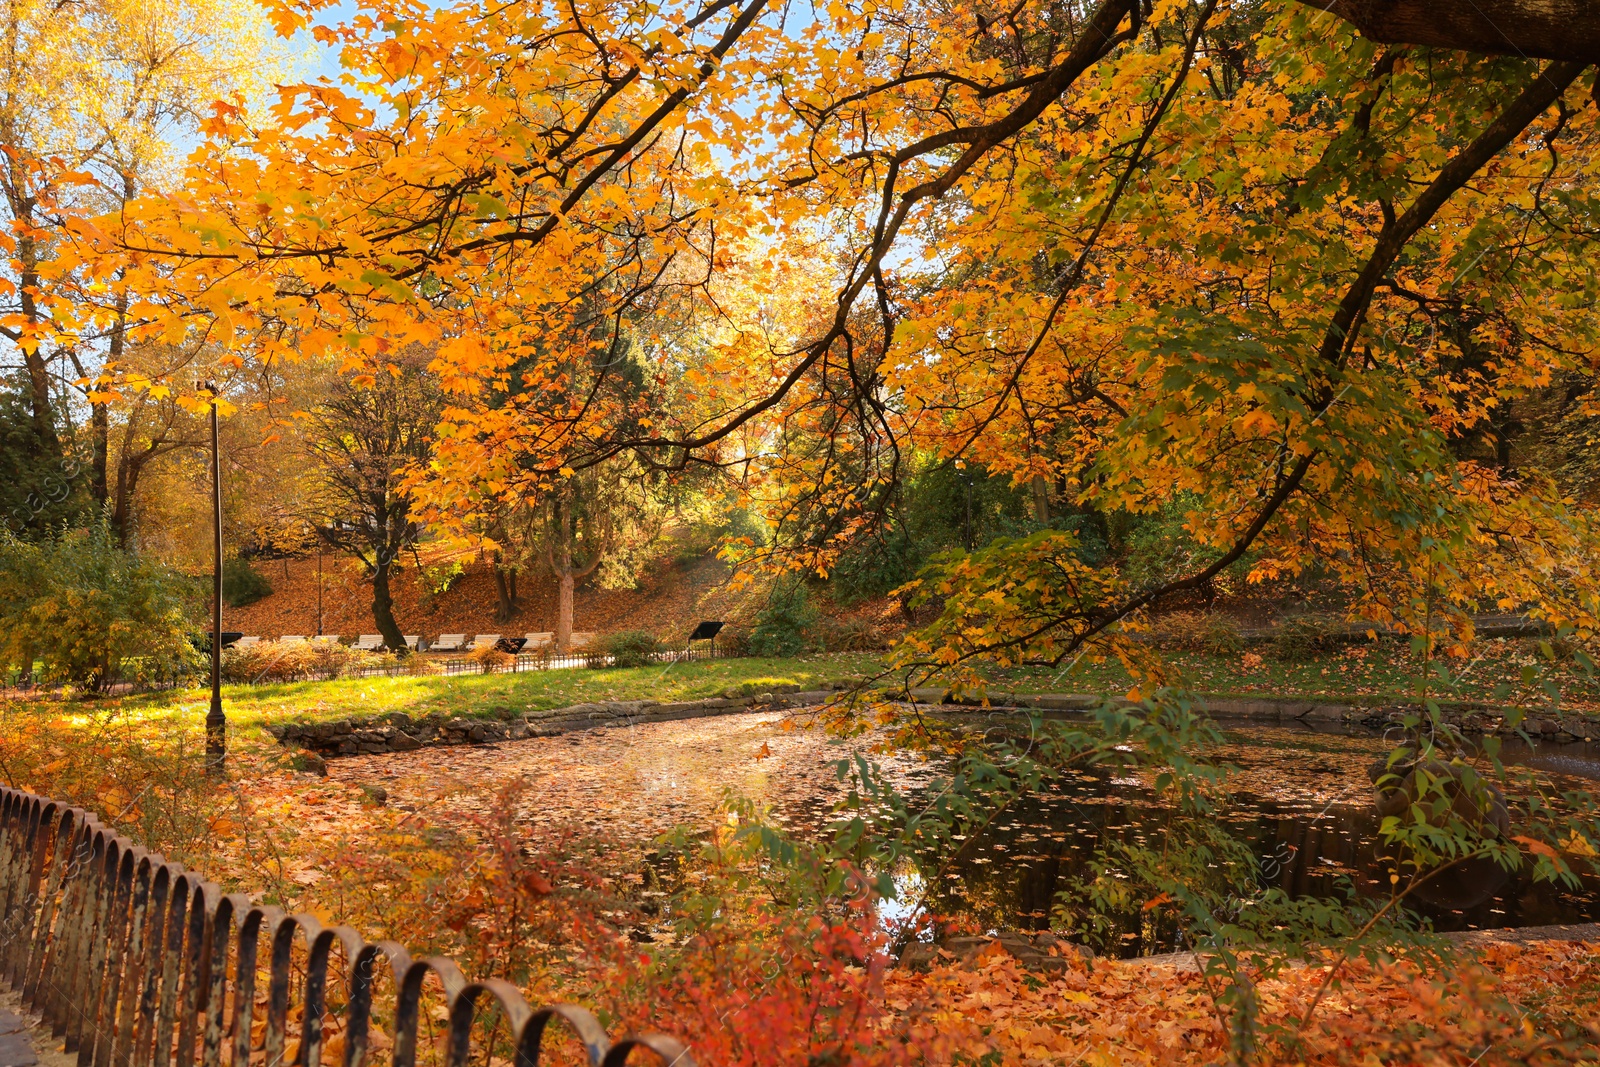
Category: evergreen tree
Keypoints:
(41, 481)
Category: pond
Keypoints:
(1302, 802)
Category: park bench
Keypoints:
(448, 643)
(292, 639)
(369, 642)
(485, 640)
(535, 642)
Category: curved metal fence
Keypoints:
(137, 962)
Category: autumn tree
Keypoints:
(93, 98)
(1335, 361)
(367, 437)
(159, 460)
(1112, 251)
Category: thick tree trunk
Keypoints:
(565, 570)
(122, 503)
(565, 584)
(130, 465)
(33, 353)
(99, 413)
(505, 595)
(1541, 29)
(383, 608)
(1041, 500)
(99, 432)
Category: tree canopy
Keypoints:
(1238, 259)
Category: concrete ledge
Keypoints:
(399, 732)
(1472, 718)
(1523, 935)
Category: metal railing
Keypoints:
(137, 962)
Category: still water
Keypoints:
(1303, 806)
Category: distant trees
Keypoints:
(600, 522)
(367, 437)
(93, 97)
(596, 520)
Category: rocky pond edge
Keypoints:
(396, 731)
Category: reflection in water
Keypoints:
(1012, 876)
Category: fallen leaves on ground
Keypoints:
(1516, 1004)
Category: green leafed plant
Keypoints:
(91, 614)
(242, 584)
(632, 648)
(784, 625)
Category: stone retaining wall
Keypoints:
(398, 732)
(1471, 718)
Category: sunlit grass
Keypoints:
(1501, 672)
(467, 696)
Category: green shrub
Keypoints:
(1157, 548)
(940, 506)
(93, 614)
(733, 641)
(783, 628)
(631, 648)
(437, 578)
(242, 584)
(43, 487)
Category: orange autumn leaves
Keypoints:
(1097, 255)
(1520, 1004)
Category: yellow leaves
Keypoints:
(1580, 845)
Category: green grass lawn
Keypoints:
(1509, 672)
(469, 695)
(1504, 672)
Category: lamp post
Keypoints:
(216, 721)
(318, 534)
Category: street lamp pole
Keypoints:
(216, 721)
(318, 534)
